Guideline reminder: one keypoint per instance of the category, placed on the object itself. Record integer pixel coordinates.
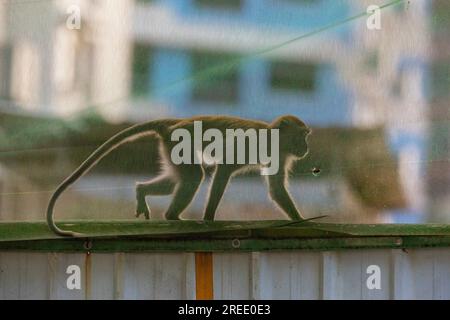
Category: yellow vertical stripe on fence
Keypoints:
(204, 288)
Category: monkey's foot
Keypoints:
(142, 209)
(171, 217)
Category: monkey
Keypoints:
(183, 180)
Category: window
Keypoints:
(216, 77)
(396, 89)
(441, 16)
(301, 1)
(440, 79)
(5, 71)
(371, 60)
(142, 58)
(293, 76)
(219, 4)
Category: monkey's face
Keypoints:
(300, 143)
(294, 141)
(293, 136)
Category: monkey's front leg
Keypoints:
(142, 208)
(278, 192)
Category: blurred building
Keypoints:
(138, 60)
(438, 168)
(347, 76)
(395, 94)
(179, 40)
(48, 68)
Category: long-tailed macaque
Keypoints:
(184, 179)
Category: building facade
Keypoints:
(140, 60)
(347, 75)
(439, 149)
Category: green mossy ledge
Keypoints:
(141, 236)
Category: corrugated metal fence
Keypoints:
(412, 274)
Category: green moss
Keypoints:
(136, 236)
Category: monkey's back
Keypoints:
(228, 122)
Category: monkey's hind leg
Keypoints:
(190, 179)
(218, 186)
(159, 186)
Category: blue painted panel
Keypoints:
(294, 15)
(328, 105)
(168, 80)
(407, 215)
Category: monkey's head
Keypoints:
(293, 135)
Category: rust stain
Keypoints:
(118, 275)
(204, 287)
(87, 277)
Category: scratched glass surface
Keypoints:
(371, 78)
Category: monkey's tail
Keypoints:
(129, 134)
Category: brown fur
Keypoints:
(184, 180)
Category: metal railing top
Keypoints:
(141, 236)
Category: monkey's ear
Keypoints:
(281, 122)
(285, 122)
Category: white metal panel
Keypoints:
(345, 274)
(289, 275)
(101, 276)
(232, 275)
(382, 259)
(412, 274)
(155, 276)
(421, 277)
(23, 276)
(441, 277)
(57, 276)
(422, 274)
